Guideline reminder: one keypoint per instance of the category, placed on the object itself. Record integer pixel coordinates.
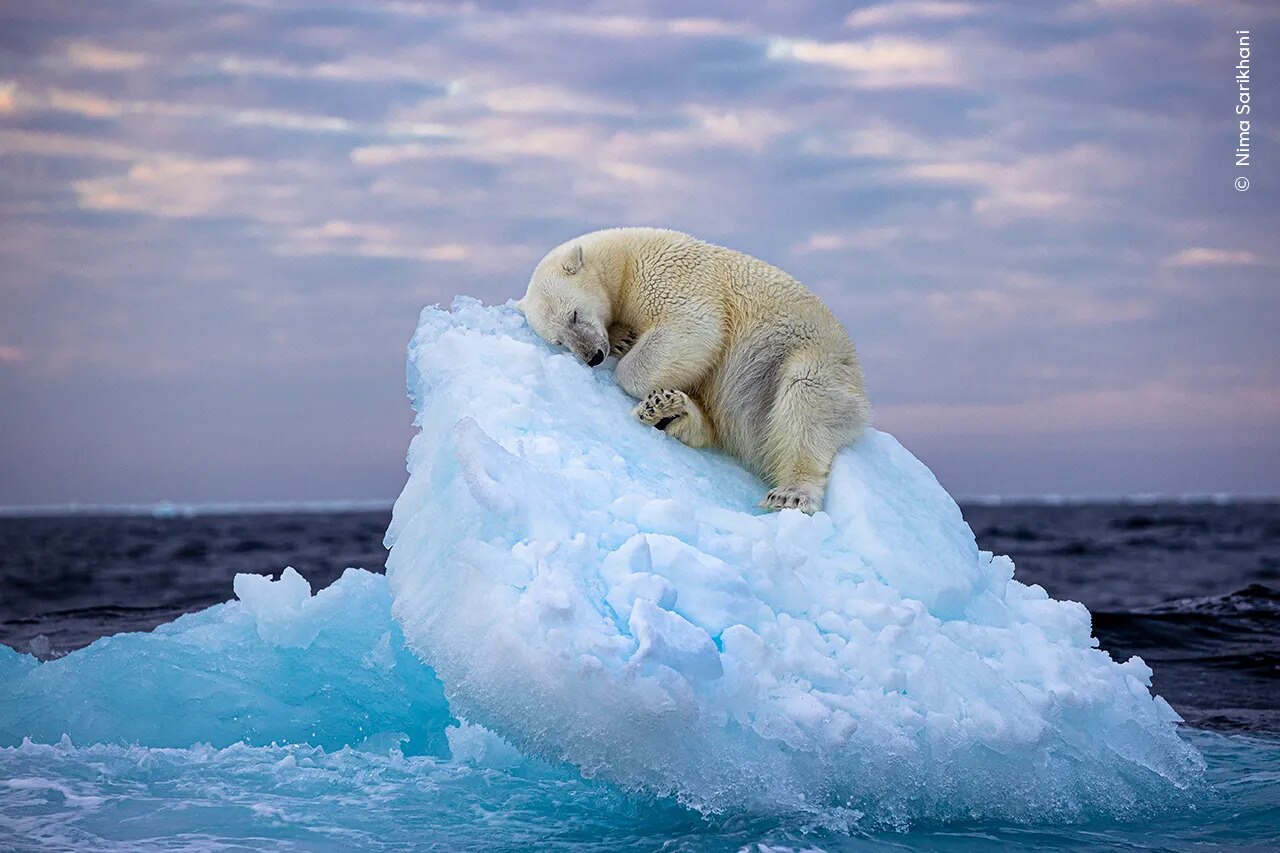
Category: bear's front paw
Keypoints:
(661, 408)
(792, 497)
(621, 340)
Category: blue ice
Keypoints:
(276, 665)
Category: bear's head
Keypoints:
(567, 304)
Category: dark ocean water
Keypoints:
(1194, 589)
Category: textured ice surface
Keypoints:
(596, 592)
(278, 665)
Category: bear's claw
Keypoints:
(621, 340)
(791, 497)
(661, 408)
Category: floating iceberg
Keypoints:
(597, 593)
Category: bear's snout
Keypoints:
(596, 359)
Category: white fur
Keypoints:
(721, 348)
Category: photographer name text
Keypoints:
(1244, 107)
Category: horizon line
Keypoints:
(183, 509)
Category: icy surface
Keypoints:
(278, 665)
(596, 592)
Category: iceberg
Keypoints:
(597, 593)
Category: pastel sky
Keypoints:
(219, 220)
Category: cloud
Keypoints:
(1072, 182)
(907, 12)
(396, 240)
(1202, 257)
(96, 57)
(1002, 190)
(504, 27)
(10, 354)
(168, 187)
(289, 120)
(628, 27)
(580, 151)
(348, 70)
(883, 62)
(632, 173)
(89, 105)
(861, 240)
(368, 239)
(46, 144)
(1151, 407)
(1030, 303)
(82, 103)
(388, 155)
(747, 129)
(551, 100)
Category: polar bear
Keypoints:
(722, 349)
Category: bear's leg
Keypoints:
(818, 410)
(675, 413)
(667, 356)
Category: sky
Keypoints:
(219, 221)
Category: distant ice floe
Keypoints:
(595, 592)
(169, 509)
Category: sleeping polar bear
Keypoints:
(721, 349)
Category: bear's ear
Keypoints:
(573, 261)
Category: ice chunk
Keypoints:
(471, 744)
(592, 590)
(669, 639)
(277, 666)
(279, 608)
